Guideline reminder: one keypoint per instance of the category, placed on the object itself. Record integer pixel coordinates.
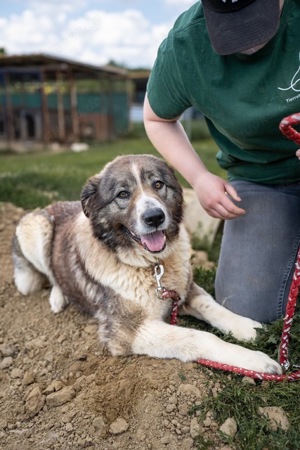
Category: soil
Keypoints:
(59, 389)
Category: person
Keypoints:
(237, 61)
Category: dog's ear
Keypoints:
(89, 193)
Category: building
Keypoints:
(46, 99)
(139, 80)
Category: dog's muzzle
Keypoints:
(153, 240)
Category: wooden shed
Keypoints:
(46, 99)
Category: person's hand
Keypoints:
(298, 153)
(216, 195)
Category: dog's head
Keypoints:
(136, 201)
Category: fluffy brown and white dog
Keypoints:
(101, 255)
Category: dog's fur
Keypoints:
(101, 255)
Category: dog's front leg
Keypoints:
(202, 306)
(158, 339)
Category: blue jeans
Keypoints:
(259, 250)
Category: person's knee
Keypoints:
(245, 299)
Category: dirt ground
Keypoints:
(59, 389)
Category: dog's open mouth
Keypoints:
(153, 242)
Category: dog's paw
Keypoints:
(57, 300)
(263, 363)
(244, 329)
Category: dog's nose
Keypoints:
(154, 217)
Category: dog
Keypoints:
(112, 253)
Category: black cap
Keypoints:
(237, 25)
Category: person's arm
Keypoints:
(171, 141)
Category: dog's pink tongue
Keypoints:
(154, 242)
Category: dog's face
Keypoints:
(135, 201)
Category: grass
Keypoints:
(32, 180)
(35, 179)
(242, 402)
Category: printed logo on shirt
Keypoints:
(294, 85)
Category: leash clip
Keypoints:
(285, 366)
(158, 273)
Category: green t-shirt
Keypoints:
(243, 98)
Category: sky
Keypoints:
(127, 32)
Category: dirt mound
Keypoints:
(59, 389)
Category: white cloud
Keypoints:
(94, 37)
(28, 30)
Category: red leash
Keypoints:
(286, 127)
(283, 349)
(166, 294)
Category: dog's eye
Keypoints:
(158, 185)
(123, 194)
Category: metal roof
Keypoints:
(50, 64)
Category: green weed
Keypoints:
(33, 180)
